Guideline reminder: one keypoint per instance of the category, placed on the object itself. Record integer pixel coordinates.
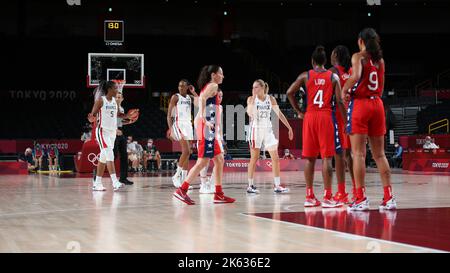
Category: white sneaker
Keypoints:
(190, 187)
(98, 187)
(364, 205)
(205, 188)
(118, 186)
(280, 189)
(388, 205)
(252, 189)
(329, 203)
(176, 180)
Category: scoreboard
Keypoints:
(114, 32)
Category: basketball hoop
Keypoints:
(120, 84)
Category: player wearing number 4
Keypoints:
(320, 134)
(259, 109)
(366, 117)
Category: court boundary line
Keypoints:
(346, 234)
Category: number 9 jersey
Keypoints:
(365, 114)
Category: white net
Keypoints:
(120, 84)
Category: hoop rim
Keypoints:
(119, 81)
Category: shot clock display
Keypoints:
(114, 32)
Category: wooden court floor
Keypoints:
(48, 213)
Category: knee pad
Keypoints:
(102, 158)
(109, 154)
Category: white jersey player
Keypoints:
(179, 121)
(259, 108)
(105, 109)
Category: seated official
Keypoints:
(288, 155)
(396, 159)
(132, 154)
(429, 143)
(151, 153)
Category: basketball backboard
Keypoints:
(116, 66)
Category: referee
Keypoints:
(120, 145)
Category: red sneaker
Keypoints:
(220, 198)
(182, 196)
(311, 202)
(341, 198)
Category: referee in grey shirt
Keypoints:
(120, 145)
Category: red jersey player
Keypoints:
(366, 116)
(319, 132)
(341, 61)
(209, 145)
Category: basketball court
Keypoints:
(63, 58)
(50, 213)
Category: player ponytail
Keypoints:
(372, 43)
(343, 57)
(319, 55)
(205, 75)
(264, 85)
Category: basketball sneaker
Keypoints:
(360, 205)
(206, 188)
(388, 204)
(252, 189)
(330, 203)
(280, 189)
(117, 186)
(341, 198)
(98, 187)
(220, 198)
(311, 202)
(182, 196)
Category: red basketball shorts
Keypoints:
(319, 134)
(366, 116)
(343, 137)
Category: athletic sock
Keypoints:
(387, 192)
(276, 181)
(328, 193)
(361, 193)
(341, 187)
(98, 180)
(114, 178)
(185, 186)
(179, 169)
(309, 192)
(250, 181)
(219, 189)
(183, 174)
